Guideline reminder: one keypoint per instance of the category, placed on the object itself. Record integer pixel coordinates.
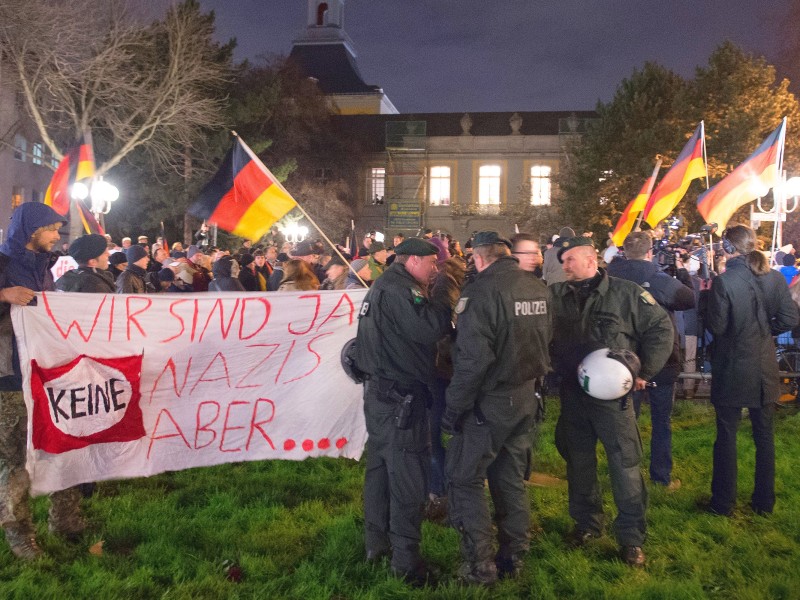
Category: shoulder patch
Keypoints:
(462, 305)
(364, 309)
(647, 298)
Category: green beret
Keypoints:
(415, 247)
(489, 238)
(574, 242)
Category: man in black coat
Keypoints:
(91, 276)
(398, 328)
(504, 330)
(749, 303)
(671, 294)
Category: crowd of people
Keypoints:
(463, 343)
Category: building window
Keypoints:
(38, 153)
(17, 198)
(540, 185)
(489, 185)
(323, 176)
(20, 147)
(54, 162)
(440, 186)
(376, 185)
(322, 14)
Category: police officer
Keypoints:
(503, 332)
(671, 293)
(592, 310)
(397, 333)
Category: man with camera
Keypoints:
(671, 294)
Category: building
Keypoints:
(457, 172)
(452, 172)
(25, 165)
(326, 53)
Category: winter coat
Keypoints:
(744, 311)
(223, 282)
(87, 280)
(22, 267)
(671, 294)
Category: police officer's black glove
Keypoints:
(451, 421)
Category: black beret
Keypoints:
(117, 258)
(574, 242)
(416, 247)
(376, 247)
(489, 238)
(88, 247)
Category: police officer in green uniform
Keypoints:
(396, 343)
(503, 332)
(592, 310)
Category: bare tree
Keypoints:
(83, 64)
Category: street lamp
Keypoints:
(294, 233)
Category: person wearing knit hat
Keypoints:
(91, 276)
(551, 267)
(247, 273)
(117, 262)
(377, 259)
(134, 278)
(359, 266)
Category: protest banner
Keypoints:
(124, 386)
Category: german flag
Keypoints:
(76, 165)
(243, 198)
(90, 224)
(750, 180)
(689, 165)
(635, 206)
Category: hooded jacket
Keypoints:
(223, 282)
(22, 267)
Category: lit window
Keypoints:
(17, 198)
(440, 186)
(489, 184)
(20, 147)
(540, 185)
(376, 185)
(38, 153)
(54, 162)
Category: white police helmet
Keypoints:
(608, 374)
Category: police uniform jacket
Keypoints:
(503, 333)
(744, 311)
(398, 329)
(87, 280)
(618, 314)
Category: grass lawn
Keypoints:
(295, 531)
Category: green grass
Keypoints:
(296, 531)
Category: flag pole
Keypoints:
(657, 168)
(266, 171)
(705, 155)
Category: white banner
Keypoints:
(129, 386)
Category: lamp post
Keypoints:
(783, 190)
(294, 233)
(101, 193)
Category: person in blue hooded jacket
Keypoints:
(24, 270)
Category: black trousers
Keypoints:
(396, 478)
(723, 481)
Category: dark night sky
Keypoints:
(511, 55)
